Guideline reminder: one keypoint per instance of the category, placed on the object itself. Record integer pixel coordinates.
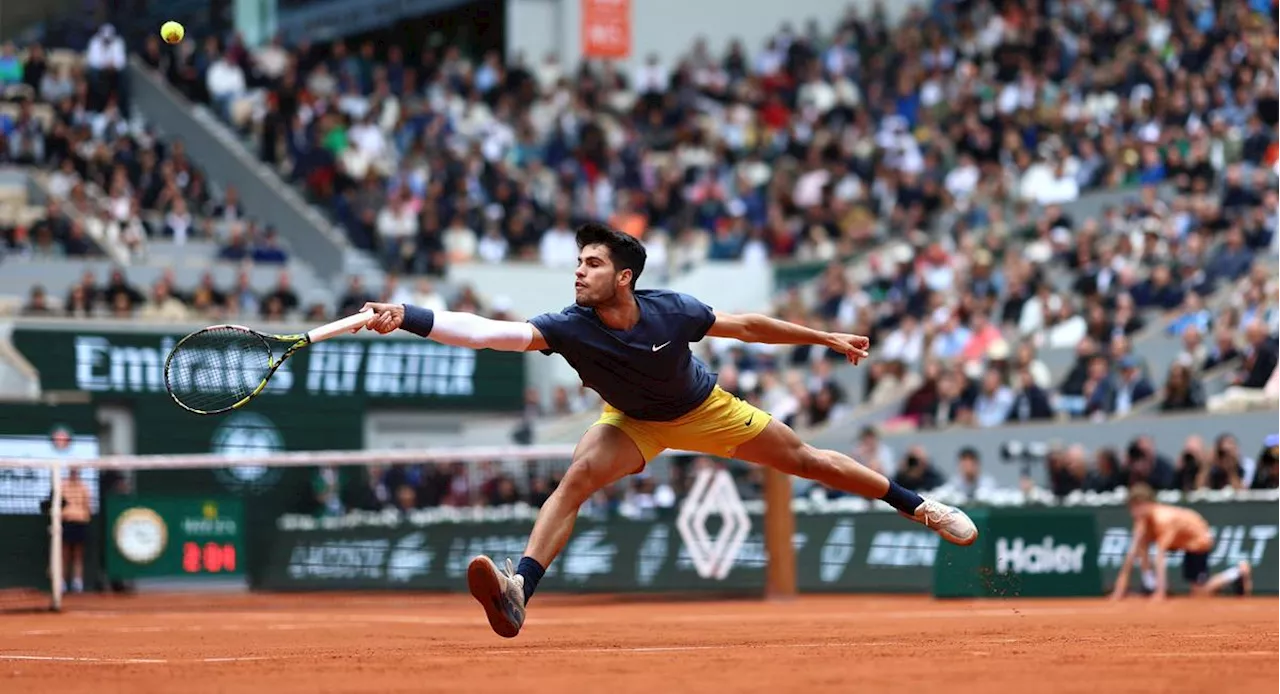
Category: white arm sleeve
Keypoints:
(469, 330)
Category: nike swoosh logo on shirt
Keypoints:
(658, 347)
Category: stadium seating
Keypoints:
(1036, 218)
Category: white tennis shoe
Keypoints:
(951, 523)
(500, 592)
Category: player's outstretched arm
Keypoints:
(755, 327)
(1162, 543)
(1137, 547)
(455, 328)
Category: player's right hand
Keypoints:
(386, 319)
(854, 347)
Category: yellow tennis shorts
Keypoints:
(716, 427)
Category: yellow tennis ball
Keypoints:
(172, 32)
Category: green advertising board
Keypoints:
(344, 374)
(168, 537)
(873, 552)
(617, 555)
(67, 432)
(1023, 552)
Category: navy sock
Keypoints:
(902, 499)
(532, 572)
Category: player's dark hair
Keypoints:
(625, 252)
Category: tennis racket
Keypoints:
(222, 367)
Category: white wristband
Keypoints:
(469, 330)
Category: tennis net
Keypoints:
(360, 520)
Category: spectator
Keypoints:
(1130, 388)
(1260, 357)
(917, 473)
(873, 452)
(11, 68)
(1267, 475)
(1231, 468)
(268, 251)
(1224, 349)
(1030, 401)
(164, 305)
(243, 300)
(994, 402)
(1182, 390)
(1068, 470)
(1193, 465)
(969, 481)
(326, 487)
(355, 297)
(1145, 464)
(1108, 472)
(1194, 316)
(106, 61)
(37, 303)
(284, 293)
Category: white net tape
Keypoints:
(302, 458)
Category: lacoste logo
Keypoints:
(658, 347)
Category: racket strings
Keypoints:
(216, 368)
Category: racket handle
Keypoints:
(340, 326)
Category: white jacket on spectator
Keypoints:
(397, 222)
(106, 50)
(225, 79)
(558, 248)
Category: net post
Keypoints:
(779, 529)
(56, 568)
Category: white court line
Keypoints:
(708, 647)
(77, 659)
(1211, 654)
(790, 646)
(184, 629)
(138, 661)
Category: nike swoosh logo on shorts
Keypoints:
(658, 347)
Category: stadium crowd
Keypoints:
(336, 491)
(112, 184)
(933, 164)
(814, 147)
(1201, 465)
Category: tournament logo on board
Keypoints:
(713, 493)
(242, 434)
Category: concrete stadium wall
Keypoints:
(668, 28)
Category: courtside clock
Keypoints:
(174, 536)
(141, 535)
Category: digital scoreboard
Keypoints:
(171, 537)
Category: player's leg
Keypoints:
(1239, 577)
(605, 455)
(779, 447)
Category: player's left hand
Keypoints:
(854, 347)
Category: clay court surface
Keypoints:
(414, 643)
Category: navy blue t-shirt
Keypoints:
(647, 372)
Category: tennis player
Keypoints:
(632, 347)
(1172, 528)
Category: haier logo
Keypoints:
(1043, 558)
